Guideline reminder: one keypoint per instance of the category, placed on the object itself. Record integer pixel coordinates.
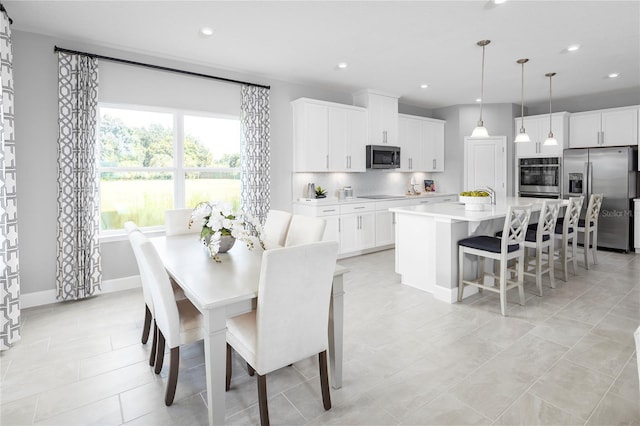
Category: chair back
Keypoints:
(572, 215)
(593, 209)
(294, 293)
(515, 226)
(274, 231)
(166, 311)
(137, 238)
(547, 220)
(305, 230)
(176, 222)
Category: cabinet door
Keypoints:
(584, 130)
(620, 127)
(349, 227)
(433, 148)
(383, 120)
(332, 230)
(385, 228)
(558, 133)
(409, 140)
(357, 141)
(338, 139)
(533, 128)
(311, 137)
(367, 231)
(390, 119)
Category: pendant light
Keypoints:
(550, 139)
(522, 136)
(480, 131)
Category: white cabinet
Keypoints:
(328, 137)
(537, 127)
(421, 141)
(607, 127)
(636, 226)
(385, 227)
(382, 118)
(357, 227)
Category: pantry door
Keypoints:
(485, 165)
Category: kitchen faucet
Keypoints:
(491, 191)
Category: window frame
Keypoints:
(178, 169)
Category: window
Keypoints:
(152, 160)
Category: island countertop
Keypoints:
(456, 211)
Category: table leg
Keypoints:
(336, 317)
(215, 353)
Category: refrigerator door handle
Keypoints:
(586, 179)
(589, 186)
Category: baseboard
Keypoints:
(450, 295)
(46, 297)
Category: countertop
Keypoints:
(456, 211)
(363, 199)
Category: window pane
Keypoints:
(211, 142)
(212, 186)
(138, 196)
(130, 138)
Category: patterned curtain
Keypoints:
(255, 153)
(79, 272)
(10, 285)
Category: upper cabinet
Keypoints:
(382, 116)
(607, 127)
(421, 141)
(537, 127)
(328, 137)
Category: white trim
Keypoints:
(450, 295)
(46, 297)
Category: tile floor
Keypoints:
(565, 358)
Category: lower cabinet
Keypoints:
(362, 227)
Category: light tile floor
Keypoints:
(565, 358)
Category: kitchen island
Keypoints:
(427, 242)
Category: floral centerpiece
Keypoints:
(221, 227)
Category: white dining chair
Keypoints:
(567, 233)
(589, 228)
(178, 321)
(305, 230)
(176, 222)
(504, 249)
(291, 320)
(274, 231)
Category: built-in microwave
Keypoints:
(383, 157)
(539, 177)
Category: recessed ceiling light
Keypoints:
(206, 31)
(342, 65)
(613, 75)
(573, 48)
(478, 100)
(499, 1)
(424, 86)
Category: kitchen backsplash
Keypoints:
(372, 182)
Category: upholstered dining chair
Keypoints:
(566, 232)
(274, 231)
(540, 236)
(176, 222)
(589, 227)
(291, 319)
(304, 230)
(504, 249)
(178, 321)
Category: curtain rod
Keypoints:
(2, 9)
(156, 67)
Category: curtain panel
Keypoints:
(255, 152)
(78, 269)
(10, 285)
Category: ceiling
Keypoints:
(390, 46)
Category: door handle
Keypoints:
(585, 179)
(589, 188)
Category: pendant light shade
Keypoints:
(480, 131)
(522, 135)
(550, 141)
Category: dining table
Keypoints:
(228, 288)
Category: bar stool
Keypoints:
(540, 237)
(564, 232)
(500, 249)
(589, 227)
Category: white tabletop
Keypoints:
(456, 211)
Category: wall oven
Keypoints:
(539, 177)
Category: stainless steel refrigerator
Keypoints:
(612, 172)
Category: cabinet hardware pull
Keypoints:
(384, 136)
(434, 163)
(327, 161)
(327, 211)
(358, 208)
(339, 225)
